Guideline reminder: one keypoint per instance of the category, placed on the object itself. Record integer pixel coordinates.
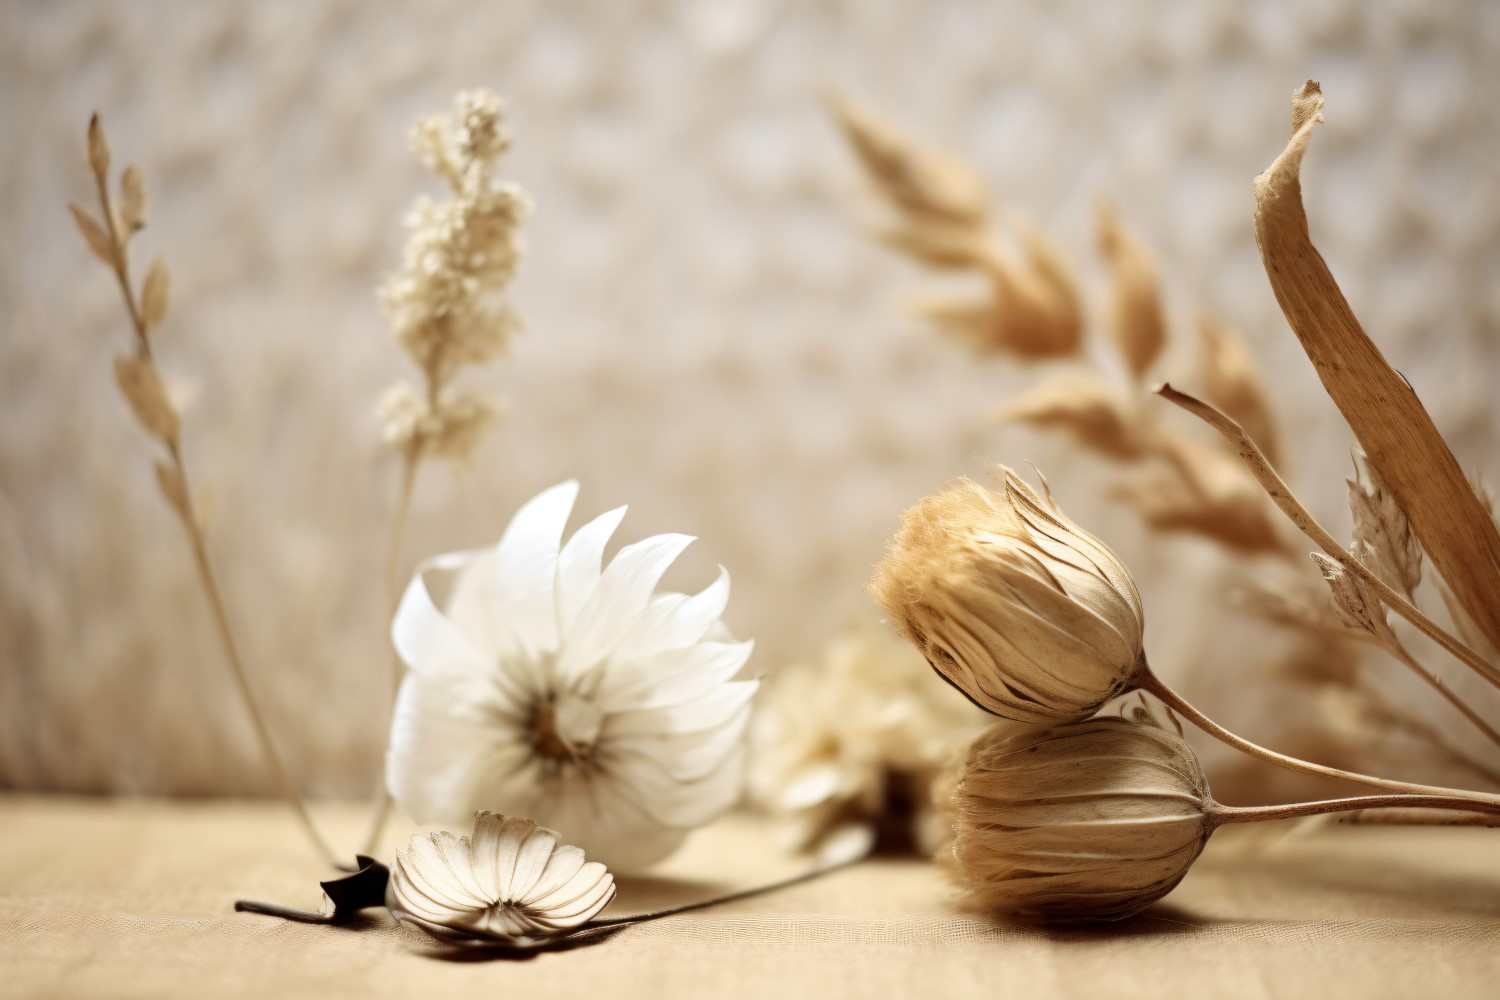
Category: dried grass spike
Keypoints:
(1383, 538)
(1136, 318)
(1096, 415)
(1358, 608)
(923, 183)
(1232, 382)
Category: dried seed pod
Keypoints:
(1092, 820)
(1030, 616)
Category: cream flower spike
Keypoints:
(508, 883)
(555, 689)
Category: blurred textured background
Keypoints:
(712, 338)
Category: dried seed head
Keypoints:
(1031, 617)
(1092, 820)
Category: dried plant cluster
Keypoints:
(848, 747)
(1036, 621)
(1178, 484)
(447, 302)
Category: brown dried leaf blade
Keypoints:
(1390, 422)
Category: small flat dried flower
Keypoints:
(508, 883)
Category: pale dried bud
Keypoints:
(1093, 820)
(132, 199)
(98, 148)
(1030, 616)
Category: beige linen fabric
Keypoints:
(135, 899)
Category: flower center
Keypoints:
(544, 735)
(564, 730)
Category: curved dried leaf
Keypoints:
(1382, 409)
(143, 389)
(173, 490)
(154, 294)
(94, 234)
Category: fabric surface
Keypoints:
(135, 898)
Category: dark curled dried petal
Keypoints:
(348, 895)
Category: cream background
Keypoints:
(712, 338)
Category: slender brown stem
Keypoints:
(411, 458)
(1294, 810)
(1417, 817)
(187, 514)
(1147, 680)
(1282, 496)
(1400, 652)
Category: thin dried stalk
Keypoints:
(141, 384)
(1382, 409)
(1282, 496)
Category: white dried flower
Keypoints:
(508, 883)
(1091, 820)
(552, 689)
(1023, 611)
(846, 750)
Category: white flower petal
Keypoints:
(684, 803)
(560, 869)
(623, 591)
(673, 676)
(531, 860)
(684, 756)
(672, 621)
(444, 753)
(713, 709)
(440, 863)
(526, 564)
(578, 567)
(432, 646)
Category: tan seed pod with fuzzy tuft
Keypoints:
(1027, 614)
(1093, 820)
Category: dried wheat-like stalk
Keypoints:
(1176, 484)
(448, 310)
(144, 390)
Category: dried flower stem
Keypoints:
(1282, 496)
(411, 457)
(1416, 817)
(1400, 652)
(180, 498)
(1147, 680)
(1294, 810)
